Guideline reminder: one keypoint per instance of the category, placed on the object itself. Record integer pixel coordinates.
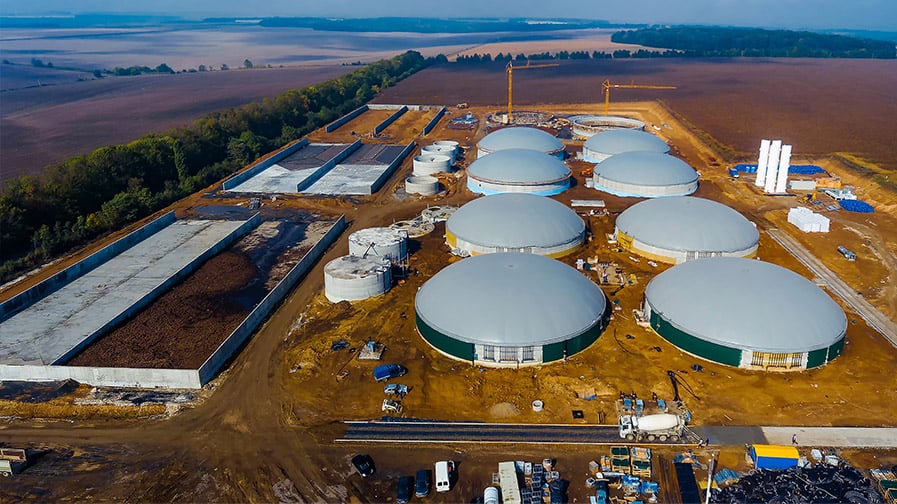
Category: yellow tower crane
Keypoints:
(606, 87)
(510, 69)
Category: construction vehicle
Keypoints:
(657, 427)
(509, 68)
(606, 87)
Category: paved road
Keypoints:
(412, 431)
(857, 303)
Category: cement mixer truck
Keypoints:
(657, 427)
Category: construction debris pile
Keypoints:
(822, 483)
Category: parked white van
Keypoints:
(445, 474)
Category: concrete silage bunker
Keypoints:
(509, 309)
(746, 313)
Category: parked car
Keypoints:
(396, 390)
(422, 483)
(387, 371)
(364, 464)
(445, 475)
(406, 485)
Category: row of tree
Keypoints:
(755, 42)
(522, 59)
(89, 195)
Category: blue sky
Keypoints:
(816, 14)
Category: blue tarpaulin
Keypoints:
(856, 206)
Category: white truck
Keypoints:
(657, 427)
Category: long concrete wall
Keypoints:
(25, 299)
(389, 120)
(106, 377)
(392, 167)
(241, 334)
(262, 165)
(346, 118)
(326, 167)
(432, 124)
(163, 287)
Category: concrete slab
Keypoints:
(44, 332)
(357, 174)
(348, 179)
(284, 176)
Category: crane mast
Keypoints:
(606, 87)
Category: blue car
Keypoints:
(406, 486)
(387, 371)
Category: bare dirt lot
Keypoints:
(264, 430)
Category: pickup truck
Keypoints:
(387, 371)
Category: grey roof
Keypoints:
(516, 220)
(617, 141)
(646, 169)
(510, 299)
(688, 224)
(520, 138)
(518, 166)
(748, 304)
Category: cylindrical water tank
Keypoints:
(422, 184)
(490, 495)
(384, 242)
(445, 150)
(428, 164)
(449, 143)
(351, 278)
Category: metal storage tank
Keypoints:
(605, 144)
(518, 170)
(643, 174)
(682, 228)
(514, 222)
(351, 278)
(442, 150)
(519, 137)
(422, 184)
(746, 313)
(428, 164)
(383, 242)
(509, 309)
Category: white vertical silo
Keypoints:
(784, 163)
(772, 168)
(761, 163)
(383, 242)
(351, 278)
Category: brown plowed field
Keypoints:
(46, 125)
(820, 106)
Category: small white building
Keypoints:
(808, 221)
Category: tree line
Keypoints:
(42, 217)
(522, 59)
(756, 42)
